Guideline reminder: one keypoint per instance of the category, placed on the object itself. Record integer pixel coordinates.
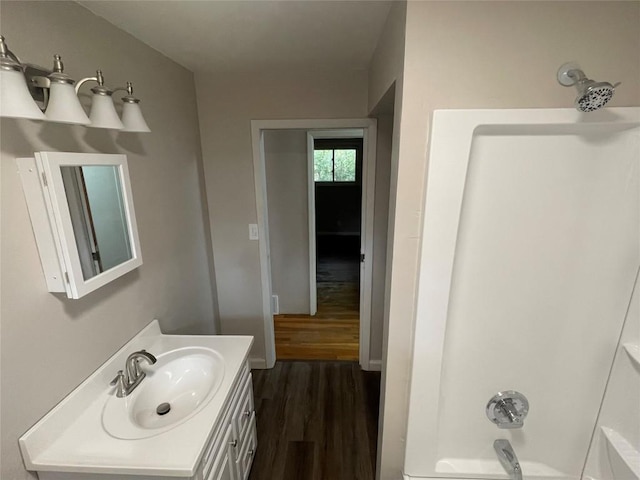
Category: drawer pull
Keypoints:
(234, 444)
(248, 413)
(250, 452)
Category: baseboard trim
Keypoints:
(258, 363)
(375, 365)
(261, 364)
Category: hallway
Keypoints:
(333, 333)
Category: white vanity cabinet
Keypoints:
(94, 435)
(229, 454)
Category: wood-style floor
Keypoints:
(302, 337)
(316, 421)
(334, 332)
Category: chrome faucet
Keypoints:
(508, 458)
(126, 381)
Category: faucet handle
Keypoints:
(119, 376)
(508, 409)
(119, 383)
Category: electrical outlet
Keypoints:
(253, 231)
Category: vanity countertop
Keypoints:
(71, 437)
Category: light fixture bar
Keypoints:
(23, 86)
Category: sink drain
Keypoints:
(163, 409)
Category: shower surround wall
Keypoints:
(620, 409)
(69, 339)
(529, 258)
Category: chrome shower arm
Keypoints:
(577, 75)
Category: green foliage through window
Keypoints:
(334, 165)
(323, 165)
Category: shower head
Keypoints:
(592, 95)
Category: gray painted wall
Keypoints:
(73, 337)
(227, 103)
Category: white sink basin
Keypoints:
(186, 379)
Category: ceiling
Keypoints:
(209, 36)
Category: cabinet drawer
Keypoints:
(248, 451)
(244, 410)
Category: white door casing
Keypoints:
(317, 128)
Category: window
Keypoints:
(334, 165)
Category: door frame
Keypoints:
(369, 129)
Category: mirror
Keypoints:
(94, 197)
(90, 218)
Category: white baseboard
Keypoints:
(257, 363)
(375, 365)
(261, 364)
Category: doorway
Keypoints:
(328, 327)
(272, 247)
(337, 213)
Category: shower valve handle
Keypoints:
(508, 409)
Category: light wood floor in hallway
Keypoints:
(332, 334)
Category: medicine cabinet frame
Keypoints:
(46, 197)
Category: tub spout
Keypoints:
(508, 458)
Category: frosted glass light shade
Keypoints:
(103, 113)
(15, 99)
(133, 119)
(64, 106)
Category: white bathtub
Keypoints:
(468, 468)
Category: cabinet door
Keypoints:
(223, 468)
(226, 470)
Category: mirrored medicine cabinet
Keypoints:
(83, 219)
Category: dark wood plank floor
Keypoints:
(317, 420)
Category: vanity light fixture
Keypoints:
(27, 91)
(131, 114)
(103, 113)
(62, 105)
(15, 99)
